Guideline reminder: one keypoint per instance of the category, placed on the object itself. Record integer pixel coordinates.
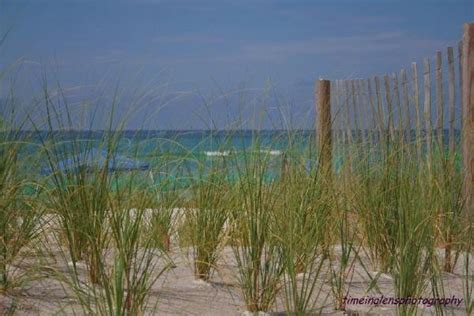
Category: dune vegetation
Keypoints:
(288, 236)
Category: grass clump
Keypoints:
(137, 265)
(258, 252)
(106, 222)
(20, 214)
(344, 253)
(302, 221)
(80, 198)
(205, 220)
(129, 267)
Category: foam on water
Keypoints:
(217, 153)
(271, 152)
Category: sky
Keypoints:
(200, 63)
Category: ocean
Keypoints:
(173, 154)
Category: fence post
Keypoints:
(427, 112)
(324, 125)
(468, 116)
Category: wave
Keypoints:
(272, 152)
(217, 153)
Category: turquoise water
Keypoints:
(177, 156)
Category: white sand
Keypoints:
(178, 293)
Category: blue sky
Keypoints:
(204, 49)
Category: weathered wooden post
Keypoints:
(323, 90)
(468, 116)
(451, 102)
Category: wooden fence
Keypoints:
(430, 106)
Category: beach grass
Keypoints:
(295, 230)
